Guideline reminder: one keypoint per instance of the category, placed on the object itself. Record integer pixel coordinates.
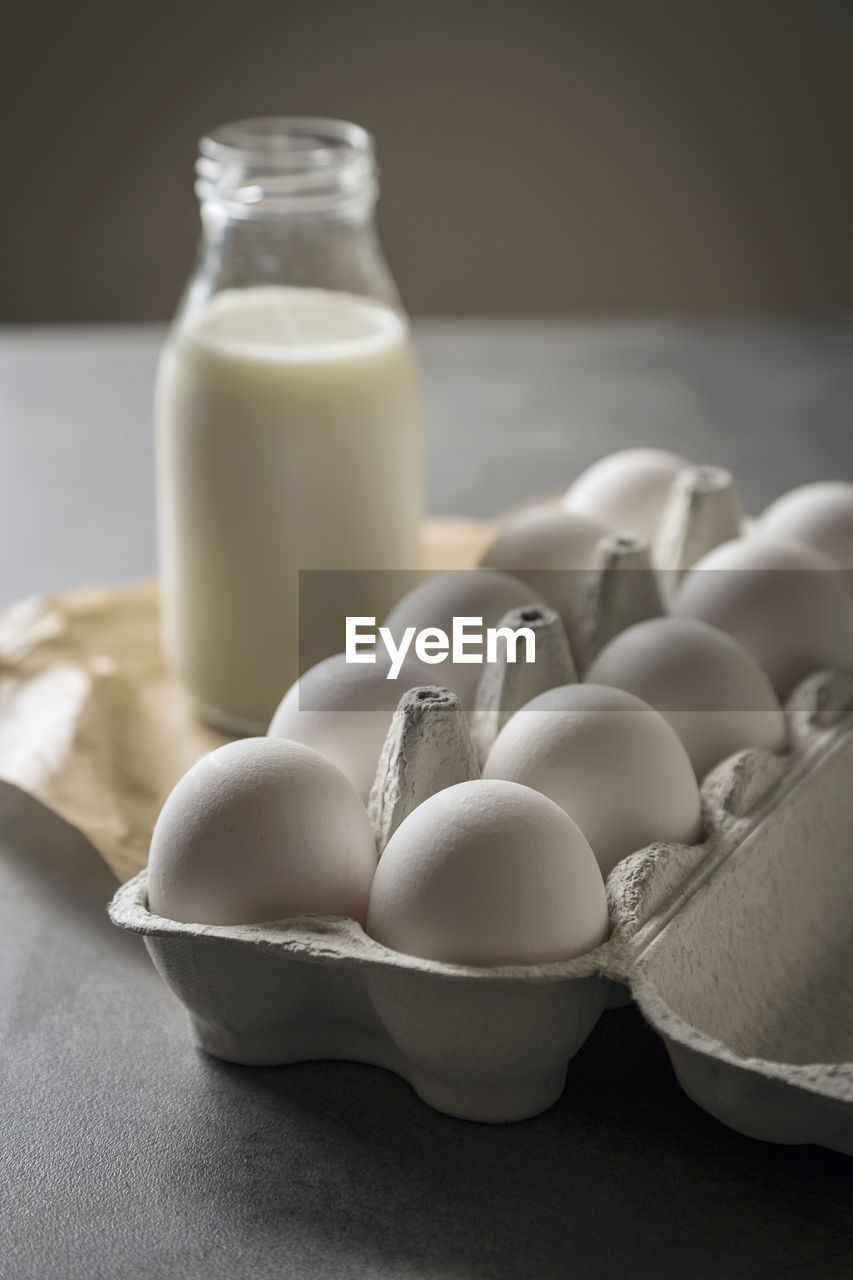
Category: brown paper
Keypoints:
(90, 722)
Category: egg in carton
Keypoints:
(736, 948)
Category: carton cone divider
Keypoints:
(702, 511)
(428, 748)
(508, 684)
(622, 588)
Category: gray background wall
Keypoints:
(610, 156)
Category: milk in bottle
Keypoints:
(287, 415)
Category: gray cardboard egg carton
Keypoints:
(737, 950)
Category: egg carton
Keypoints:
(737, 951)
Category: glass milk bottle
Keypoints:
(287, 412)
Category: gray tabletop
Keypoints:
(127, 1153)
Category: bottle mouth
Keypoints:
(277, 164)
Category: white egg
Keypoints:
(607, 758)
(488, 873)
(626, 490)
(821, 515)
(343, 710)
(435, 602)
(706, 685)
(551, 550)
(260, 830)
(784, 602)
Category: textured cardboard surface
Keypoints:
(737, 950)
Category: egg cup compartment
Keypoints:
(736, 950)
(484, 1044)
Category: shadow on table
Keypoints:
(624, 1173)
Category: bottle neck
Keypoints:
(222, 223)
(290, 168)
(289, 201)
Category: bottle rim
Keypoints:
(278, 164)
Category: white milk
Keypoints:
(288, 437)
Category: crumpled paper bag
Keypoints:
(94, 727)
